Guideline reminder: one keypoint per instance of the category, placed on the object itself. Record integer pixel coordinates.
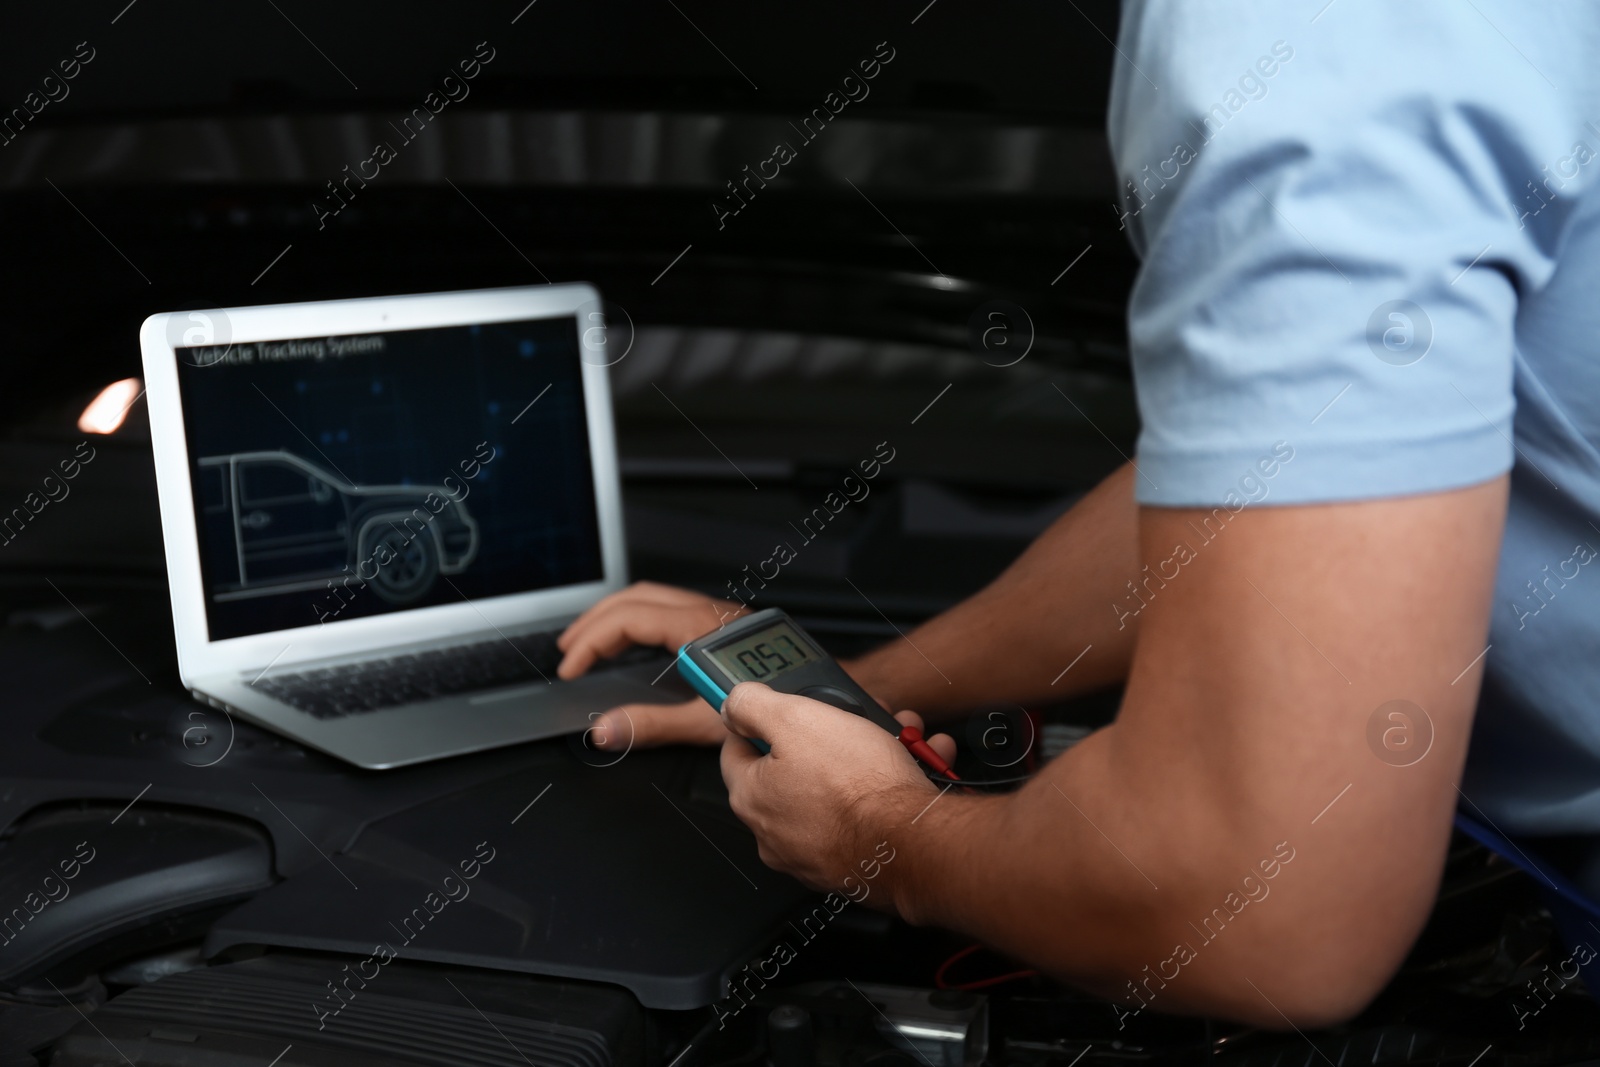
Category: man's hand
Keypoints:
(647, 614)
(805, 799)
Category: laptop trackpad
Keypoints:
(631, 685)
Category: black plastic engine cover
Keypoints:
(636, 875)
(261, 1011)
(82, 885)
(629, 870)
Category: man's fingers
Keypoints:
(650, 593)
(652, 725)
(597, 646)
(753, 710)
(737, 756)
(909, 718)
(611, 630)
(943, 744)
(596, 619)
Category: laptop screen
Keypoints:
(347, 476)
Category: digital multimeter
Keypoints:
(771, 648)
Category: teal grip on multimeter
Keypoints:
(770, 647)
(707, 687)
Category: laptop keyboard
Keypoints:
(354, 688)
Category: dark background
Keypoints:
(774, 353)
(178, 56)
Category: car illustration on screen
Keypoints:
(275, 523)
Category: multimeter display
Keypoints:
(759, 656)
(767, 646)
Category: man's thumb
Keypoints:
(753, 710)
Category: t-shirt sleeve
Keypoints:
(1332, 243)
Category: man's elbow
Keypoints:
(1308, 982)
(1304, 976)
(1319, 951)
(1310, 1001)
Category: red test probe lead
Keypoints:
(911, 737)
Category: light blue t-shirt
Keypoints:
(1370, 236)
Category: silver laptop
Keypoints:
(380, 513)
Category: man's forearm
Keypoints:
(1015, 639)
(1292, 729)
(1029, 874)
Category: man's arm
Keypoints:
(1013, 639)
(1073, 575)
(1254, 836)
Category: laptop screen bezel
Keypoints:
(198, 655)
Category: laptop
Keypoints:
(380, 513)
